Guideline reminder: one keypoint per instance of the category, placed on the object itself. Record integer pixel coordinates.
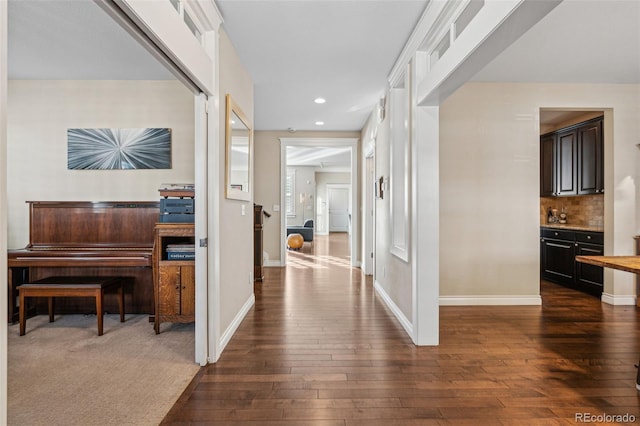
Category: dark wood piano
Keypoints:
(88, 238)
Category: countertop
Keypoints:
(572, 227)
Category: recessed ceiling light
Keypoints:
(319, 100)
(319, 123)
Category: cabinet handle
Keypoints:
(588, 237)
(555, 233)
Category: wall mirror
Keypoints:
(239, 146)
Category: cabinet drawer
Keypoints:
(558, 234)
(590, 237)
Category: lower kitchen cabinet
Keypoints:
(558, 249)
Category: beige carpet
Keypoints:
(63, 373)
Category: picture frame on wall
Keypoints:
(118, 149)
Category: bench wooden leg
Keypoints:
(99, 300)
(51, 309)
(23, 317)
(121, 301)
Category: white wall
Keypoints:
(392, 274)
(236, 236)
(489, 190)
(39, 114)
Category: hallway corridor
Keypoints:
(319, 348)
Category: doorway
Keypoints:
(305, 197)
(572, 163)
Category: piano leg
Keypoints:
(16, 276)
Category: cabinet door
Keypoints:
(590, 151)
(566, 171)
(187, 290)
(558, 258)
(547, 165)
(169, 290)
(589, 277)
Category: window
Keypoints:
(189, 20)
(192, 27)
(289, 193)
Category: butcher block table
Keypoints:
(622, 263)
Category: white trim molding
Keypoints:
(237, 320)
(497, 300)
(619, 300)
(388, 301)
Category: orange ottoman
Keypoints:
(295, 241)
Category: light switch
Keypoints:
(276, 207)
(243, 211)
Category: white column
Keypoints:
(425, 215)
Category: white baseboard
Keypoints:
(272, 264)
(532, 300)
(612, 299)
(404, 321)
(229, 332)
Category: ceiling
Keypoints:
(579, 41)
(297, 51)
(341, 50)
(327, 159)
(74, 40)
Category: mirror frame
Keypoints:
(230, 192)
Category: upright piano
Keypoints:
(88, 238)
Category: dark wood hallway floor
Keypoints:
(319, 348)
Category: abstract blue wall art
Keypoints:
(118, 149)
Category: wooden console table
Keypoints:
(622, 263)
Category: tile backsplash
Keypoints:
(581, 210)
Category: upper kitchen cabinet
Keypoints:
(590, 158)
(571, 160)
(547, 165)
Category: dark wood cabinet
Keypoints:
(547, 165)
(558, 249)
(557, 256)
(591, 155)
(566, 163)
(571, 160)
(589, 277)
(257, 243)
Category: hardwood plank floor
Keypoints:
(319, 348)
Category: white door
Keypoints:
(338, 209)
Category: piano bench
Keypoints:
(72, 286)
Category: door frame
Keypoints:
(196, 68)
(322, 142)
